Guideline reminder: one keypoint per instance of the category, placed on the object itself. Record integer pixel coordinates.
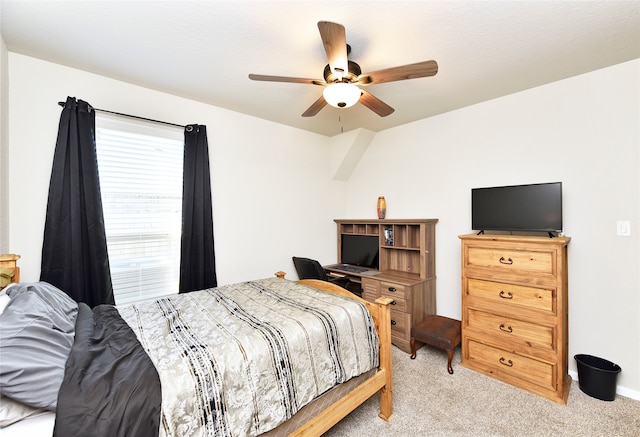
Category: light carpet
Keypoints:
(427, 401)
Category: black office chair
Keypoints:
(311, 269)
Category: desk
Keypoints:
(406, 259)
(413, 298)
(350, 271)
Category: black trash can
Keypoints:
(597, 377)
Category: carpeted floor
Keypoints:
(430, 402)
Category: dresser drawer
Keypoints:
(537, 372)
(399, 305)
(530, 297)
(400, 295)
(400, 324)
(500, 328)
(394, 291)
(513, 260)
(372, 289)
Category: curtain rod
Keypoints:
(131, 116)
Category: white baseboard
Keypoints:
(622, 391)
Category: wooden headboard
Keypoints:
(10, 263)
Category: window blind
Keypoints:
(140, 169)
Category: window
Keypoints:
(140, 167)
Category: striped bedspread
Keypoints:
(240, 359)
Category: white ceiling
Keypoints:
(204, 50)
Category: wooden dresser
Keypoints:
(514, 311)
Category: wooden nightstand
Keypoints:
(9, 269)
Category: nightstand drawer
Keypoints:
(512, 260)
(542, 299)
(513, 365)
(501, 328)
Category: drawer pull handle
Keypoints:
(507, 363)
(507, 295)
(504, 328)
(393, 302)
(393, 322)
(507, 261)
(392, 289)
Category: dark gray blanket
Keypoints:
(110, 387)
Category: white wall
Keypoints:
(275, 194)
(583, 131)
(4, 149)
(271, 184)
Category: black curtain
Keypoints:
(197, 257)
(74, 251)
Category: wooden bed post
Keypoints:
(386, 393)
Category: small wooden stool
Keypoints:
(438, 331)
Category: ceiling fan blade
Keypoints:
(375, 104)
(334, 39)
(268, 78)
(315, 107)
(410, 71)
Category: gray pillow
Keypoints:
(37, 326)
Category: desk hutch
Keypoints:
(407, 270)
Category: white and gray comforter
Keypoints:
(240, 359)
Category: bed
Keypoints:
(187, 365)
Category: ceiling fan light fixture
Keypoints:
(341, 94)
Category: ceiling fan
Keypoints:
(343, 78)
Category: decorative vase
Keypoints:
(382, 207)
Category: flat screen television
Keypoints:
(533, 207)
(360, 250)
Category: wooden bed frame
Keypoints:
(380, 382)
